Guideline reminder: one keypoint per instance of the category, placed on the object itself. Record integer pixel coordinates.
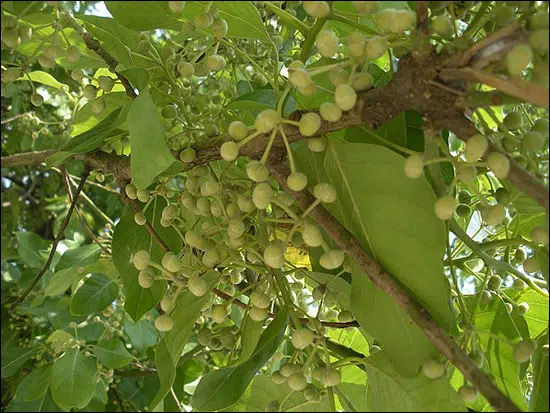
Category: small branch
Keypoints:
(14, 117)
(420, 316)
(60, 235)
(519, 88)
(26, 158)
(422, 16)
(149, 227)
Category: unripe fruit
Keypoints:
(197, 286)
(494, 282)
(164, 323)
(219, 313)
(433, 369)
(468, 394)
(10, 75)
(524, 350)
(318, 373)
(146, 278)
(541, 126)
(186, 69)
(402, 21)
(260, 299)
(499, 164)
(494, 215)
(486, 297)
(463, 210)
(337, 76)
(169, 112)
(188, 155)
(11, 38)
(77, 75)
(477, 358)
(203, 20)
(331, 377)
(105, 83)
(237, 130)
(444, 207)
(376, 47)
(229, 151)
(502, 196)
(211, 258)
(531, 265)
(539, 235)
(522, 308)
(170, 211)
(356, 44)
(518, 58)
(316, 9)
(219, 28)
(319, 292)
(210, 188)
(262, 195)
(53, 52)
(443, 25)
(98, 105)
(317, 144)
(519, 284)
(46, 62)
(312, 236)
(257, 314)
(267, 120)
(171, 262)
(533, 141)
(131, 191)
(466, 173)
(245, 204)
(309, 124)
(414, 166)
(513, 121)
(330, 112)
(299, 77)
(143, 46)
(296, 181)
(140, 218)
(362, 81)
(176, 6)
(302, 337)
(203, 205)
(325, 192)
(274, 254)
(476, 147)
(167, 303)
(278, 378)
(204, 335)
(297, 382)
(73, 54)
(90, 92)
(366, 7)
(327, 43)
(510, 143)
(215, 62)
(345, 96)
(141, 259)
(332, 259)
(36, 99)
(143, 195)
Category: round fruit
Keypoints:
(167, 303)
(332, 259)
(325, 192)
(197, 286)
(169, 112)
(131, 191)
(541, 126)
(533, 141)
(494, 215)
(185, 69)
(302, 337)
(362, 81)
(524, 350)
(204, 335)
(317, 144)
(98, 105)
(519, 284)
(331, 113)
(235, 228)
(327, 43)
(210, 188)
(164, 323)
(77, 75)
(188, 155)
(176, 6)
(257, 171)
(539, 235)
(141, 259)
(518, 58)
(319, 292)
(531, 265)
(257, 314)
(262, 195)
(502, 196)
(513, 121)
(311, 394)
(414, 166)
(444, 207)
(173, 263)
(297, 382)
(402, 21)
(143, 195)
(90, 92)
(219, 313)
(477, 358)
(376, 47)
(356, 44)
(499, 164)
(215, 62)
(211, 258)
(476, 147)
(522, 308)
(36, 99)
(219, 28)
(278, 378)
(274, 254)
(463, 210)
(146, 278)
(345, 96)
(433, 369)
(267, 120)
(310, 124)
(337, 76)
(140, 218)
(464, 197)
(296, 181)
(312, 236)
(237, 130)
(260, 299)
(299, 77)
(316, 9)
(105, 83)
(203, 20)
(366, 7)
(443, 25)
(468, 394)
(73, 54)
(494, 282)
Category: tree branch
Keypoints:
(60, 235)
(420, 316)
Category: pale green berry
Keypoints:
(376, 47)
(185, 69)
(215, 62)
(302, 337)
(278, 378)
(476, 147)
(332, 259)
(414, 166)
(494, 215)
(345, 97)
(73, 54)
(146, 278)
(296, 181)
(176, 6)
(524, 350)
(257, 171)
(140, 219)
(170, 211)
(494, 283)
(219, 313)
(105, 83)
(443, 25)
(141, 259)
(235, 228)
(131, 191)
(219, 28)
(188, 155)
(274, 254)
(337, 76)
(262, 195)
(229, 151)
(197, 286)
(499, 164)
(260, 299)
(533, 141)
(468, 393)
(518, 58)
(466, 173)
(98, 106)
(203, 20)
(317, 144)
(330, 112)
(317, 9)
(245, 204)
(164, 323)
(356, 44)
(237, 130)
(362, 81)
(37, 99)
(143, 195)
(299, 77)
(77, 75)
(325, 192)
(53, 52)
(541, 126)
(522, 308)
(267, 120)
(531, 265)
(513, 121)
(90, 92)
(312, 235)
(444, 207)
(167, 303)
(366, 7)
(210, 188)
(402, 21)
(257, 314)
(331, 377)
(327, 43)
(539, 235)
(11, 38)
(309, 124)
(433, 369)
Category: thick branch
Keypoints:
(55, 242)
(439, 337)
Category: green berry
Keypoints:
(90, 92)
(141, 259)
(176, 6)
(463, 210)
(522, 308)
(297, 382)
(325, 192)
(476, 147)
(77, 75)
(466, 173)
(443, 25)
(533, 141)
(36, 99)
(541, 126)
(98, 105)
(140, 218)
(302, 337)
(131, 191)
(468, 393)
(106, 83)
(296, 181)
(164, 323)
(337, 76)
(229, 151)
(524, 350)
(376, 47)
(316, 9)
(215, 62)
(317, 144)
(433, 369)
(414, 166)
(219, 28)
(345, 97)
(257, 314)
(143, 195)
(531, 265)
(331, 377)
(518, 58)
(267, 120)
(299, 77)
(274, 254)
(494, 283)
(499, 164)
(366, 7)
(502, 196)
(332, 259)
(309, 124)
(312, 235)
(203, 21)
(185, 69)
(188, 155)
(330, 112)
(513, 121)
(362, 81)
(356, 44)
(197, 286)
(486, 297)
(257, 171)
(219, 313)
(444, 207)
(143, 46)
(262, 195)
(260, 299)
(237, 130)
(494, 215)
(327, 43)
(167, 303)
(539, 235)
(146, 278)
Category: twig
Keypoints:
(149, 227)
(60, 235)
(420, 316)
(422, 16)
(80, 217)
(14, 117)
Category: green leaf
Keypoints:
(542, 257)
(29, 246)
(393, 218)
(42, 404)
(94, 137)
(263, 390)
(129, 238)
(336, 284)
(72, 382)
(39, 76)
(13, 358)
(112, 353)
(150, 154)
(79, 257)
(61, 281)
(94, 295)
(394, 392)
(252, 331)
(169, 350)
(137, 77)
(538, 401)
(529, 213)
(36, 384)
(58, 339)
(141, 15)
(58, 158)
(222, 388)
(354, 388)
(142, 334)
(259, 100)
